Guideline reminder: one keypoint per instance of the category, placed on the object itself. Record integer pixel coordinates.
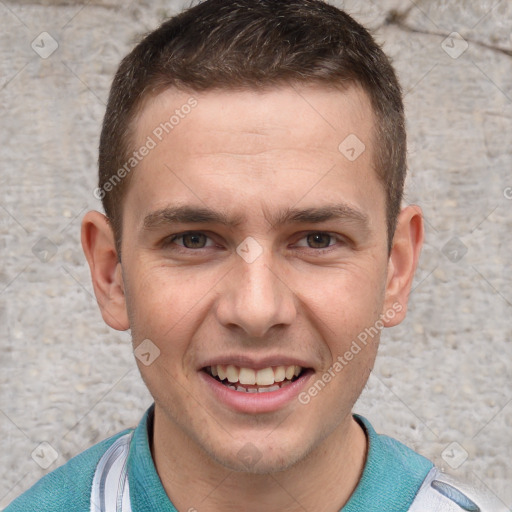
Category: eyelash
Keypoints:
(170, 241)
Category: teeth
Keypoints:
(280, 374)
(232, 373)
(250, 377)
(290, 372)
(266, 389)
(221, 371)
(265, 377)
(247, 376)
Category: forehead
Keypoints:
(295, 111)
(276, 145)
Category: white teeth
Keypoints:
(247, 376)
(279, 374)
(221, 371)
(265, 377)
(250, 377)
(232, 373)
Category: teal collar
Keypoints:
(391, 477)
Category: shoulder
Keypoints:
(392, 475)
(393, 457)
(441, 492)
(396, 478)
(67, 487)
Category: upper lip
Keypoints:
(244, 361)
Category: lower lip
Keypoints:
(256, 402)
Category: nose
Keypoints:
(255, 297)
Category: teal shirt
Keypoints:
(391, 478)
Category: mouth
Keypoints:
(249, 380)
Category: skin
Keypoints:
(252, 154)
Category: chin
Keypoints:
(264, 466)
(258, 459)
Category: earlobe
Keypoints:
(99, 248)
(403, 260)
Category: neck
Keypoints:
(322, 481)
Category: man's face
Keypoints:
(297, 273)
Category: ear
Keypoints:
(106, 272)
(403, 260)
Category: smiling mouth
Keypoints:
(248, 380)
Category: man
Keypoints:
(252, 162)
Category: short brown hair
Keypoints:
(240, 44)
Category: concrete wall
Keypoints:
(443, 381)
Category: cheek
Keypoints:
(345, 314)
(167, 305)
(163, 308)
(158, 298)
(343, 302)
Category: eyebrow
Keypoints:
(201, 215)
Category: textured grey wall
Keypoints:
(442, 383)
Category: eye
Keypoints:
(318, 240)
(190, 240)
